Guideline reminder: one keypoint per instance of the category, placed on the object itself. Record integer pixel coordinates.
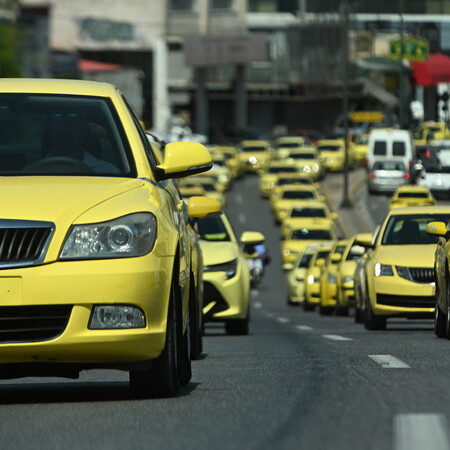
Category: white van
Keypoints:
(390, 144)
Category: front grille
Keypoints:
(407, 301)
(33, 323)
(23, 243)
(422, 274)
(210, 295)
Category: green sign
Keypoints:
(413, 49)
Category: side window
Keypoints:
(398, 148)
(379, 148)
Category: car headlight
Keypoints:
(222, 178)
(383, 270)
(331, 278)
(128, 236)
(404, 272)
(287, 252)
(306, 169)
(230, 268)
(252, 160)
(116, 316)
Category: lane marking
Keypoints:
(389, 362)
(269, 314)
(242, 218)
(335, 337)
(420, 431)
(304, 328)
(257, 305)
(238, 198)
(283, 319)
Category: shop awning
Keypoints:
(433, 71)
(86, 65)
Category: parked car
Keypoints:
(95, 266)
(411, 195)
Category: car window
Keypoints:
(412, 195)
(292, 195)
(308, 212)
(398, 148)
(212, 229)
(285, 181)
(379, 148)
(281, 169)
(45, 134)
(329, 148)
(256, 148)
(302, 156)
(410, 229)
(304, 260)
(388, 165)
(305, 234)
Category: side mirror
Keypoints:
(199, 207)
(334, 216)
(287, 267)
(335, 258)
(252, 238)
(437, 229)
(364, 240)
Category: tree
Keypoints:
(9, 46)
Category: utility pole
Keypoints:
(401, 75)
(346, 202)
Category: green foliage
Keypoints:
(9, 44)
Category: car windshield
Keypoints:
(285, 181)
(409, 229)
(256, 148)
(292, 195)
(308, 234)
(304, 260)
(289, 144)
(212, 228)
(412, 195)
(282, 169)
(44, 134)
(388, 165)
(308, 212)
(302, 156)
(329, 148)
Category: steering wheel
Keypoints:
(59, 164)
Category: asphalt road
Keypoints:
(298, 381)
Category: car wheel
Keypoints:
(371, 321)
(440, 322)
(162, 378)
(358, 316)
(307, 306)
(325, 310)
(340, 310)
(238, 327)
(196, 334)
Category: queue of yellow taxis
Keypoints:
(101, 275)
(411, 195)
(308, 161)
(286, 197)
(284, 179)
(284, 144)
(399, 268)
(255, 155)
(269, 176)
(231, 156)
(328, 278)
(360, 146)
(208, 183)
(313, 275)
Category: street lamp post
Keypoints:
(346, 202)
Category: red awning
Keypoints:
(86, 65)
(430, 73)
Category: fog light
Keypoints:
(116, 316)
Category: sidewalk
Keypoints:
(355, 219)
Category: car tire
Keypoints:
(162, 378)
(196, 334)
(358, 316)
(326, 310)
(238, 327)
(371, 321)
(440, 319)
(307, 306)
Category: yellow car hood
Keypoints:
(406, 255)
(217, 252)
(58, 199)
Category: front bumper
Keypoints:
(143, 282)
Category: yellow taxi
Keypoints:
(429, 131)
(332, 154)
(296, 276)
(308, 161)
(411, 195)
(231, 155)
(328, 278)
(269, 176)
(226, 276)
(439, 229)
(284, 199)
(313, 275)
(187, 191)
(98, 273)
(307, 212)
(299, 239)
(221, 171)
(345, 289)
(255, 155)
(360, 149)
(284, 144)
(284, 179)
(210, 186)
(399, 268)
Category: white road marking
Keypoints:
(238, 199)
(283, 319)
(389, 362)
(420, 431)
(242, 218)
(257, 305)
(335, 337)
(304, 328)
(270, 314)
(254, 293)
